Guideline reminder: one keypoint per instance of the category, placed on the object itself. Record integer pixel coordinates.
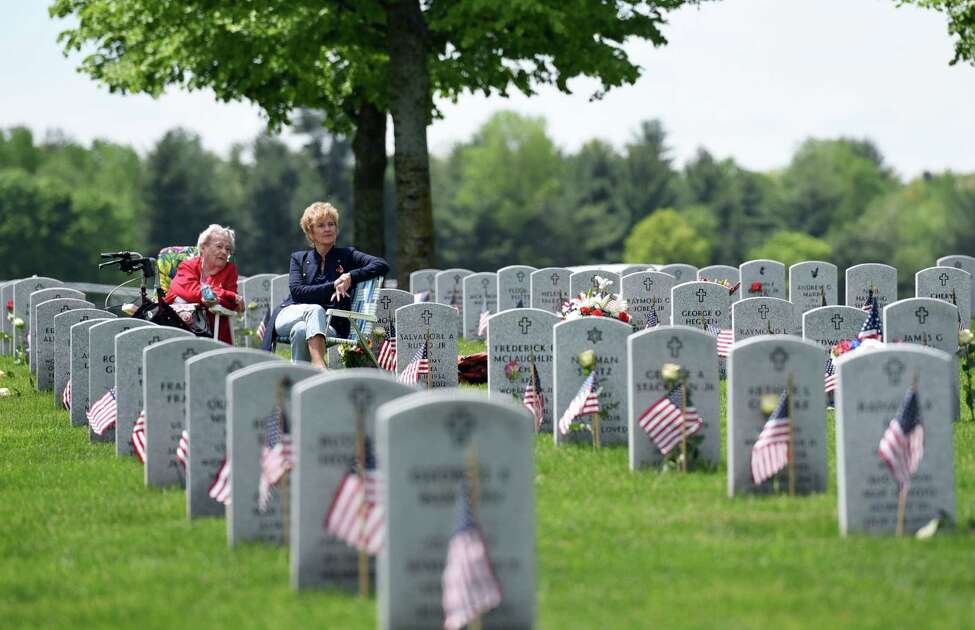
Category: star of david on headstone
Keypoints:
(648, 283)
(525, 324)
(426, 316)
(701, 294)
(554, 278)
(674, 345)
(763, 311)
(894, 369)
(594, 335)
(944, 279)
(460, 425)
(921, 314)
(189, 352)
(778, 357)
(360, 396)
(837, 319)
(385, 300)
(521, 276)
(234, 366)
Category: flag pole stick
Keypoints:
(473, 482)
(534, 384)
(683, 423)
(426, 342)
(792, 439)
(360, 467)
(902, 491)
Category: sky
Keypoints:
(745, 79)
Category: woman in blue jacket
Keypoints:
(320, 278)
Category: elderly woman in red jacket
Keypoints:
(209, 278)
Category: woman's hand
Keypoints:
(342, 286)
(239, 303)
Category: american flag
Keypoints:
(482, 324)
(139, 437)
(419, 364)
(652, 320)
(220, 488)
(830, 375)
(387, 354)
(421, 296)
(470, 587)
(276, 455)
(66, 396)
(103, 413)
(725, 338)
(663, 422)
(183, 449)
(586, 402)
(872, 328)
(902, 445)
(870, 300)
(355, 514)
(770, 454)
(534, 397)
(261, 329)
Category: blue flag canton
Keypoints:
(829, 368)
(652, 319)
(873, 319)
(369, 459)
(782, 409)
(274, 424)
(909, 414)
(675, 395)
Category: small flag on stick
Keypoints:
(66, 395)
(534, 398)
(419, 364)
(139, 437)
(355, 515)
(275, 455)
(103, 413)
(770, 454)
(664, 422)
(586, 402)
(220, 488)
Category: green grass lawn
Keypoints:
(85, 544)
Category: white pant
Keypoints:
(299, 323)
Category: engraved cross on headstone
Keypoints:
(484, 283)
(763, 311)
(944, 279)
(426, 316)
(385, 300)
(674, 345)
(360, 396)
(460, 425)
(648, 283)
(554, 278)
(921, 314)
(521, 276)
(525, 324)
(701, 294)
(837, 319)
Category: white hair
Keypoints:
(216, 230)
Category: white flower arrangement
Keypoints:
(596, 302)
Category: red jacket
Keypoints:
(186, 285)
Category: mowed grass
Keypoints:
(85, 544)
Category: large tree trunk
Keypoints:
(410, 104)
(369, 148)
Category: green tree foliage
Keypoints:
(48, 229)
(181, 192)
(830, 182)
(666, 236)
(790, 248)
(961, 24)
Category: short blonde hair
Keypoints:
(216, 230)
(316, 211)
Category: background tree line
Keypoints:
(506, 195)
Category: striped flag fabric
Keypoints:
(470, 587)
(652, 320)
(139, 437)
(664, 422)
(355, 514)
(421, 296)
(902, 445)
(830, 375)
(220, 488)
(276, 455)
(770, 454)
(725, 338)
(103, 413)
(870, 300)
(872, 328)
(183, 449)
(261, 329)
(66, 396)
(482, 324)
(534, 398)
(419, 364)
(387, 352)
(585, 402)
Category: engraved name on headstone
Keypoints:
(698, 304)
(860, 279)
(644, 291)
(762, 316)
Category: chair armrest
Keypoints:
(334, 312)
